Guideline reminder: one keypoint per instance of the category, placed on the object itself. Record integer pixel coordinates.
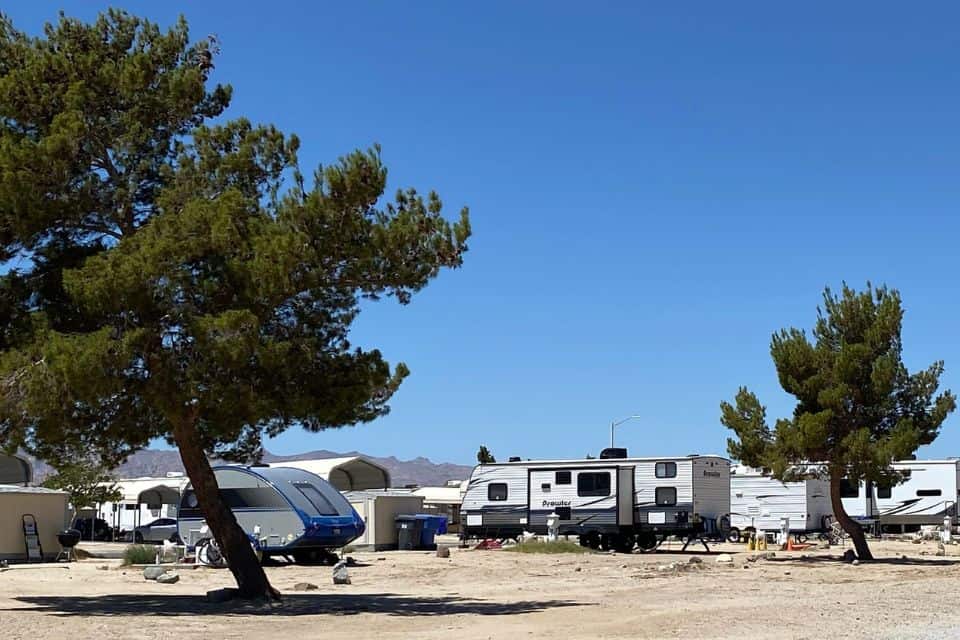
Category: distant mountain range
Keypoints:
(158, 462)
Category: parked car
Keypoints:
(101, 529)
(157, 531)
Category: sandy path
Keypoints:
(505, 595)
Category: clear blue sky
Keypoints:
(654, 190)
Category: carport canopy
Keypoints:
(354, 473)
(15, 470)
(154, 497)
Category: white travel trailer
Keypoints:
(926, 497)
(759, 502)
(610, 502)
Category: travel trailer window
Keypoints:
(849, 489)
(317, 499)
(497, 491)
(593, 484)
(927, 493)
(253, 497)
(884, 493)
(666, 496)
(563, 477)
(666, 470)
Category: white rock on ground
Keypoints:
(340, 574)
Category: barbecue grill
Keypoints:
(68, 539)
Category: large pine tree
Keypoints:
(172, 279)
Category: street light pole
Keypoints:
(616, 424)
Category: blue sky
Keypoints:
(654, 190)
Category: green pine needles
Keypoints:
(857, 407)
(179, 279)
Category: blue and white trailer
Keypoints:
(288, 512)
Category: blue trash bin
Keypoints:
(431, 526)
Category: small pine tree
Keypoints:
(858, 409)
(484, 456)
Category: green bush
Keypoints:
(557, 546)
(140, 554)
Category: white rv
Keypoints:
(758, 502)
(927, 496)
(610, 502)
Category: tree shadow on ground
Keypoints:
(292, 605)
(921, 562)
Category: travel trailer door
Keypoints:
(625, 496)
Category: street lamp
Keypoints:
(613, 425)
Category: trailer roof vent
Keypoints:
(513, 459)
(613, 452)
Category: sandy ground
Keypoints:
(494, 594)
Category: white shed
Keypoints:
(379, 510)
(48, 506)
(354, 473)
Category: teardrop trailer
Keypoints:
(284, 511)
(613, 502)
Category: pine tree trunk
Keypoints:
(851, 526)
(234, 544)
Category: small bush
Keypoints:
(557, 546)
(140, 554)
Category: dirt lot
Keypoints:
(494, 594)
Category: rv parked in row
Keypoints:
(759, 502)
(926, 497)
(613, 502)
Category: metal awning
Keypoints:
(354, 473)
(15, 470)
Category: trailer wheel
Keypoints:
(733, 535)
(314, 556)
(647, 541)
(623, 543)
(590, 540)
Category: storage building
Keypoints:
(379, 510)
(47, 506)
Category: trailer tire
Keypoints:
(623, 542)
(647, 541)
(314, 556)
(733, 535)
(590, 540)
